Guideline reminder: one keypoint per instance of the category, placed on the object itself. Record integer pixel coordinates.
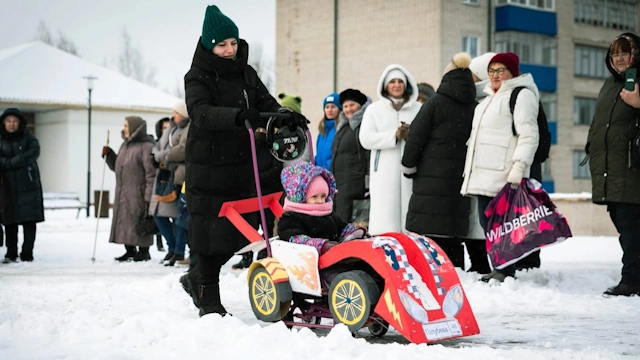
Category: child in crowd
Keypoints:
(308, 207)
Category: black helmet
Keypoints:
(286, 143)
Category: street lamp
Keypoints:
(90, 89)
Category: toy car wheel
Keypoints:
(352, 298)
(379, 328)
(269, 301)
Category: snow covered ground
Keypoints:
(62, 306)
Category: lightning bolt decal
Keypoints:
(392, 307)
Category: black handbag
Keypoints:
(146, 226)
(165, 189)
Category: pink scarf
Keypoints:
(309, 209)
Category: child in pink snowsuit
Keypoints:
(308, 208)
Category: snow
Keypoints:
(63, 306)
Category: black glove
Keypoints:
(253, 116)
(293, 119)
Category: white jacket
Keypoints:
(389, 190)
(493, 151)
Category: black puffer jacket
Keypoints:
(218, 153)
(20, 187)
(612, 128)
(437, 147)
(349, 163)
(324, 227)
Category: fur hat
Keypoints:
(181, 108)
(297, 179)
(395, 74)
(353, 95)
(333, 98)
(460, 60)
(317, 186)
(134, 123)
(510, 60)
(216, 28)
(479, 65)
(292, 102)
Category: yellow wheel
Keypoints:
(352, 297)
(269, 301)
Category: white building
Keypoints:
(49, 87)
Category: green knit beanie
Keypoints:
(216, 28)
(292, 102)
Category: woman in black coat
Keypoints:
(222, 92)
(20, 187)
(434, 157)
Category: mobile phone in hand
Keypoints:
(630, 79)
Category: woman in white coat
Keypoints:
(495, 156)
(384, 128)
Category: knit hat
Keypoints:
(510, 60)
(333, 98)
(134, 123)
(216, 28)
(353, 95)
(317, 186)
(479, 65)
(460, 60)
(181, 108)
(292, 102)
(297, 179)
(395, 74)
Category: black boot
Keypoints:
(173, 259)
(623, 290)
(245, 262)
(29, 240)
(129, 255)
(142, 254)
(159, 242)
(478, 256)
(531, 261)
(167, 257)
(190, 284)
(210, 300)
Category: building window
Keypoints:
(471, 2)
(614, 14)
(531, 48)
(548, 5)
(471, 45)
(583, 110)
(549, 103)
(580, 172)
(589, 61)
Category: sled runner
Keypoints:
(403, 280)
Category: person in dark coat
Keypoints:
(135, 177)
(20, 187)
(434, 157)
(349, 160)
(308, 210)
(614, 182)
(222, 92)
(161, 126)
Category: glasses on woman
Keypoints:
(498, 71)
(620, 55)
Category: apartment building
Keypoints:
(330, 45)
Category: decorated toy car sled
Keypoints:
(403, 280)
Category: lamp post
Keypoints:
(90, 89)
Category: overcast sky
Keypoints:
(166, 31)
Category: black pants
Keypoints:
(208, 267)
(453, 248)
(626, 218)
(12, 240)
(483, 201)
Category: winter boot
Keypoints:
(9, 260)
(185, 262)
(245, 262)
(129, 255)
(167, 257)
(29, 240)
(531, 261)
(142, 254)
(190, 285)
(622, 290)
(173, 259)
(159, 242)
(210, 300)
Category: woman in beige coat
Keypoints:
(135, 176)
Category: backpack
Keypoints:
(544, 143)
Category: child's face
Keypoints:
(317, 199)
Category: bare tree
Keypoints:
(131, 63)
(66, 44)
(263, 65)
(43, 34)
(63, 42)
(178, 91)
